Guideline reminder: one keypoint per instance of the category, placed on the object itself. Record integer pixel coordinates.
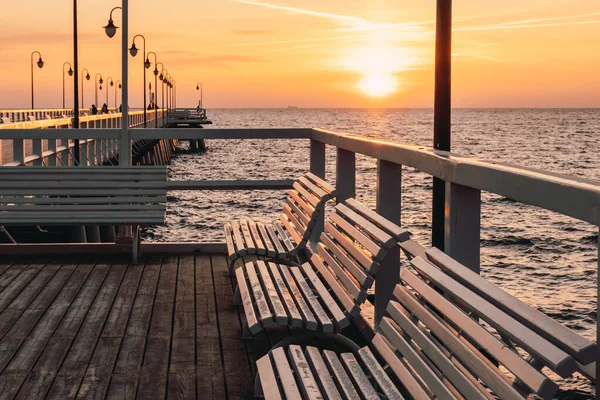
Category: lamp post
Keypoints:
(162, 78)
(133, 51)
(109, 81)
(96, 81)
(199, 87)
(40, 64)
(117, 86)
(155, 86)
(110, 27)
(70, 72)
(174, 93)
(87, 77)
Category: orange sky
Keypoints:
(314, 53)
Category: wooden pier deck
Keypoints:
(95, 328)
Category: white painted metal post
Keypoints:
(462, 225)
(389, 205)
(317, 167)
(345, 175)
(19, 150)
(51, 161)
(37, 151)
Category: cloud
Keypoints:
(251, 32)
(570, 20)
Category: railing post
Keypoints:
(19, 150)
(52, 157)
(37, 150)
(462, 224)
(1, 151)
(64, 156)
(317, 167)
(389, 205)
(345, 180)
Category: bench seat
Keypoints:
(326, 292)
(287, 236)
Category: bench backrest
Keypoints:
(433, 326)
(80, 195)
(350, 250)
(304, 204)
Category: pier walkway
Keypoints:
(100, 328)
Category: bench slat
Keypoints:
(344, 383)
(303, 218)
(322, 194)
(583, 350)
(249, 243)
(260, 246)
(358, 377)
(83, 200)
(37, 208)
(297, 226)
(306, 380)
(237, 236)
(231, 251)
(291, 229)
(534, 379)
(270, 249)
(272, 296)
(326, 383)
(389, 227)
(364, 280)
(557, 360)
(349, 284)
(285, 296)
(306, 207)
(283, 236)
(307, 316)
(312, 199)
(83, 183)
(264, 313)
(275, 240)
(420, 367)
(334, 310)
(372, 247)
(269, 384)
(82, 192)
(319, 312)
(340, 292)
(375, 232)
(384, 381)
(413, 249)
(322, 183)
(285, 374)
(246, 297)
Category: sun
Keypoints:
(378, 84)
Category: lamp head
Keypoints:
(88, 76)
(40, 63)
(70, 72)
(155, 72)
(133, 50)
(147, 63)
(112, 83)
(197, 87)
(110, 28)
(120, 86)
(100, 87)
(101, 81)
(160, 77)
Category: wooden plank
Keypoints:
(84, 200)
(582, 349)
(246, 297)
(307, 208)
(555, 359)
(236, 367)
(340, 292)
(250, 246)
(288, 383)
(308, 317)
(23, 275)
(531, 377)
(237, 235)
(22, 210)
(306, 381)
(295, 319)
(334, 310)
(11, 274)
(162, 316)
(265, 316)
(266, 240)
(231, 251)
(349, 284)
(322, 183)
(271, 293)
(67, 185)
(363, 279)
(324, 379)
(122, 387)
(260, 246)
(210, 379)
(294, 227)
(421, 368)
(153, 377)
(81, 192)
(298, 213)
(450, 371)
(268, 381)
(350, 230)
(385, 240)
(340, 375)
(319, 192)
(390, 227)
(358, 377)
(413, 249)
(117, 320)
(283, 236)
(410, 383)
(312, 199)
(322, 317)
(271, 230)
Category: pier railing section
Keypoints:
(465, 178)
(45, 141)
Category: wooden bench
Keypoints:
(432, 344)
(325, 293)
(286, 237)
(133, 196)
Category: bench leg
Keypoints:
(237, 297)
(136, 244)
(258, 392)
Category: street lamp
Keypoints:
(96, 81)
(155, 85)
(87, 77)
(40, 64)
(133, 51)
(118, 86)
(110, 82)
(70, 72)
(160, 78)
(111, 28)
(199, 87)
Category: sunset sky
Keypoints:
(314, 53)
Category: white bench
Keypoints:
(433, 345)
(325, 293)
(286, 237)
(37, 196)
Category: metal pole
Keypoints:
(442, 111)
(144, 67)
(124, 144)
(31, 64)
(63, 76)
(75, 123)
